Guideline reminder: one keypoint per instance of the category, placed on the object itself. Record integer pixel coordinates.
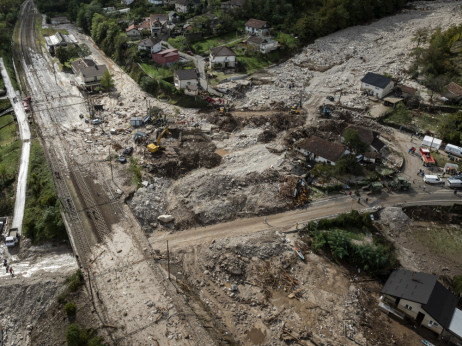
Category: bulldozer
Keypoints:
(224, 110)
(155, 147)
(399, 184)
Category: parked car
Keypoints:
(96, 121)
(432, 179)
(128, 151)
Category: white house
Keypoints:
(156, 2)
(420, 297)
(320, 150)
(377, 85)
(127, 2)
(222, 56)
(151, 44)
(132, 31)
(186, 80)
(257, 27)
(88, 71)
(182, 6)
(262, 44)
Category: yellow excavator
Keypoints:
(154, 147)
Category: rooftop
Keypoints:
(256, 23)
(222, 51)
(318, 146)
(454, 89)
(186, 74)
(376, 80)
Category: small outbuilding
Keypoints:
(377, 85)
(166, 57)
(152, 44)
(453, 149)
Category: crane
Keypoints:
(154, 147)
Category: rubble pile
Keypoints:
(338, 62)
(395, 219)
(148, 203)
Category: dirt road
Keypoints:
(287, 221)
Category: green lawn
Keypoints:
(442, 239)
(52, 31)
(206, 45)
(10, 151)
(156, 71)
(7, 134)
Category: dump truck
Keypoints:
(12, 238)
(399, 184)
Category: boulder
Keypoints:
(165, 218)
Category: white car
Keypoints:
(432, 179)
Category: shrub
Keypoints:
(458, 284)
(73, 335)
(70, 309)
(74, 281)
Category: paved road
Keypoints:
(287, 221)
(24, 133)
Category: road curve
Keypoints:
(287, 221)
(24, 132)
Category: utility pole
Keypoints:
(168, 261)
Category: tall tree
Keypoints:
(106, 82)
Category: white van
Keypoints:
(454, 183)
(432, 179)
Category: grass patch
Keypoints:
(4, 104)
(42, 218)
(76, 336)
(253, 63)
(443, 240)
(441, 158)
(427, 122)
(136, 169)
(10, 152)
(399, 116)
(156, 71)
(206, 45)
(7, 133)
(2, 83)
(51, 31)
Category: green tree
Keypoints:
(106, 82)
(61, 55)
(354, 142)
(70, 309)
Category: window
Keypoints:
(433, 324)
(408, 307)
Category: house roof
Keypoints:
(132, 27)
(407, 89)
(256, 23)
(413, 286)
(376, 80)
(149, 42)
(441, 305)
(186, 74)
(320, 147)
(145, 24)
(366, 135)
(168, 52)
(454, 88)
(93, 71)
(163, 17)
(79, 64)
(222, 51)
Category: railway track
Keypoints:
(43, 87)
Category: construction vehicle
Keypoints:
(399, 184)
(155, 147)
(427, 158)
(224, 110)
(295, 109)
(12, 238)
(375, 187)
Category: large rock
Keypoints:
(165, 218)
